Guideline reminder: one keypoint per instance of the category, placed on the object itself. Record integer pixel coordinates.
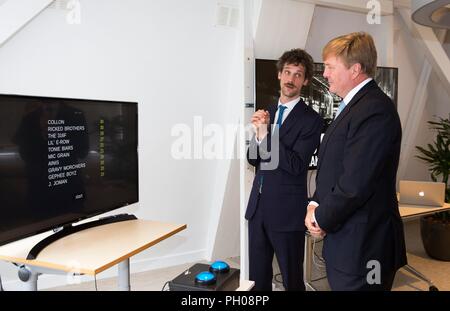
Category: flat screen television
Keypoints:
(64, 160)
(316, 94)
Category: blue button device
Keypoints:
(205, 277)
(219, 267)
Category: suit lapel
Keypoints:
(341, 116)
(292, 118)
(272, 110)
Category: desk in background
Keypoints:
(414, 211)
(90, 251)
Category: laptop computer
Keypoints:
(422, 193)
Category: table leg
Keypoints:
(413, 271)
(124, 275)
(31, 283)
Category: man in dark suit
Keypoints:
(355, 205)
(286, 137)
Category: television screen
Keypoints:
(316, 93)
(63, 160)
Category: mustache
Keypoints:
(290, 85)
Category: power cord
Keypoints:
(188, 271)
(280, 281)
(322, 261)
(321, 264)
(318, 279)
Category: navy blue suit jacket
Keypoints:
(284, 189)
(356, 185)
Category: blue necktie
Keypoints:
(340, 108)
(281, 110)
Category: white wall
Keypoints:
(170, 57)
(409, 57)
(328, 23)
(15, 14)
(437, 105)
(281, 25)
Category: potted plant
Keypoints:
(435, 229)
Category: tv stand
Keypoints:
(92, 251)
(67, 230)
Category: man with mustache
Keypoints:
(355, 203)
(287, 135)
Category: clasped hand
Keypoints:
(312, 226)
(260, 120)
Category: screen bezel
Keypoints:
(74, 220)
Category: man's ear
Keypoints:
(279, 75)
(356, 70)
(305, 83)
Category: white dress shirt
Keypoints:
(289, 107)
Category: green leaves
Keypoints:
(437, 155)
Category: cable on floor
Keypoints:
(318, 279)
(319, 265)
(276, 278)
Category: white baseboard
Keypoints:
(48, 281)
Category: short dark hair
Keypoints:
(297, 57)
